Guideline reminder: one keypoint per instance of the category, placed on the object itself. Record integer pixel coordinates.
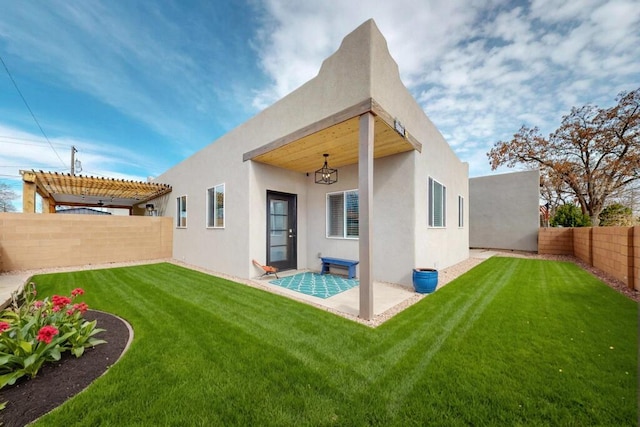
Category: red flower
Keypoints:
(70, 312)
(59, 301)
(4, 326)
(82, 307)
(38, 304)
(46, 333)
(56, 308)
(77, 291)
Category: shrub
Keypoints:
(570, 216)
(33, 332)
(616, 215)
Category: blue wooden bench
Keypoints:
(339, 262)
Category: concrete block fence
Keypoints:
(614, 250)
(34, 241)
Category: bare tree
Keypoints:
(554, 193)
(593, 154)
(6, 196)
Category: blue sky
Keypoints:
(137, 86)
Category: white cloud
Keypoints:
(479, 72)
(617, 22)
(22, 150)
(558, 11)
(479, 69)
(297, 36)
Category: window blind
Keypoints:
(335, 215)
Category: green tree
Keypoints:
(616, 215)
(7, 195)
(570, 216)
(594, 154)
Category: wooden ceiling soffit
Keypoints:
(337, 135)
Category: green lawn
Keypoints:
(512, 342)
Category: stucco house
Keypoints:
(400, 200)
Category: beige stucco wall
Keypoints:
(504, 211)
(432, 247)
(361, 68)
(31, 241)
(393, 234)
(441, 247)
(230, 250)
(269, 178)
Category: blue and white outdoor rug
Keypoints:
(317, 285)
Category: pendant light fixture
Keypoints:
(326, 175)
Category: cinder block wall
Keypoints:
(636, 257)
(31, 241)
(582, 244)
(555, 241)
(613, 252)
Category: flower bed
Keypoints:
(37, 331)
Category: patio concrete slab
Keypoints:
(10, 283)
(481, 253)
(385, 296)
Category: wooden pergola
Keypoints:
(76, 190)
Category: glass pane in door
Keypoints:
(278, 230)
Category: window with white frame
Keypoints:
(343, 217)
(437, 204)
(181, 212)
(215, 206)
(460, 211)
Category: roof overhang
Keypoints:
(338, 136)
(77, 190)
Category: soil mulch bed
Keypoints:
(29, 399)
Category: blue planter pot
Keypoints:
(425, 280)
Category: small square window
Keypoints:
(343, 215)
